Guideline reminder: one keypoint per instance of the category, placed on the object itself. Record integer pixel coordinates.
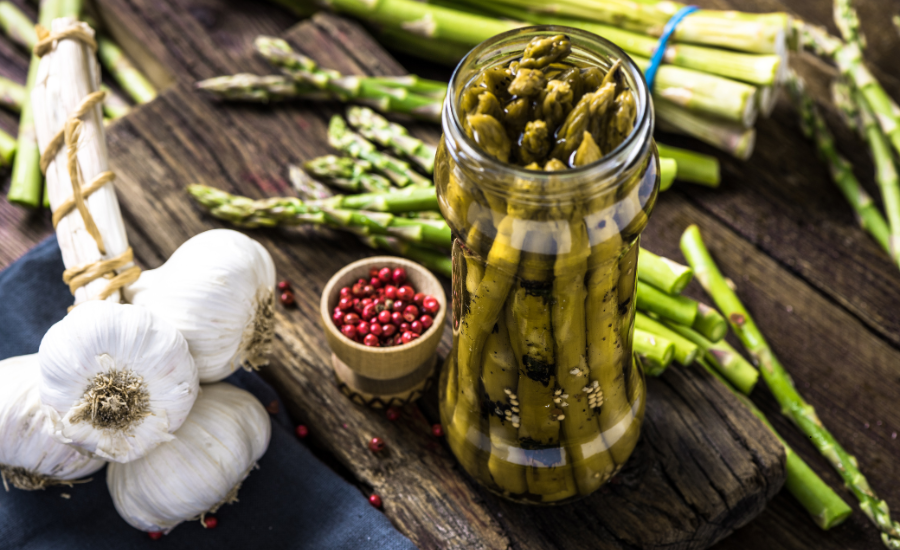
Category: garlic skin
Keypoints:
(30, 458)
(218, 290)
(116, 380)
(227, 431)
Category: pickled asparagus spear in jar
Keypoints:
(547, 174)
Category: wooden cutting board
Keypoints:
(704, 466)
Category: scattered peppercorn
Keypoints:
(437, 430)
(375, 501)
(302, 431)
(376, 445)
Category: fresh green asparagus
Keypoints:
(710, 323)
(411, 199)
(669, 276)
(732, 138)
(129, 77)
(656, 352)
(398, 171)
(114, 105)
(347, 174)
(692, 167)
(12, 95)
(668, 171)
(679, 309)
(17, 26)
(306, 187)
(375, 127)
(438, 262)
(779, 382)
(7, 148)
(726, 360)
(685, 350)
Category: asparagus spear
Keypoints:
(656, 352)
(250, 87)
(685, 350)
(246, 212)
(692, 167)
(435, 261)
(347, 174)
(779, 382)
(445, 53)
(411, 199)
(849, 60)
(885, 171)
(398, 171)
(500, 375)
(129, 77)
(726, 360)
(388, 95)
(709, 323)
(308, 188)
(731, 138)
(814, 127)
(668, 171)
(12, 95)
(17, 26)
(388, 134)
(114, 105)
(679, 309)
(663, 273)
(7, 148)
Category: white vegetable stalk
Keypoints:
(116, 380)
(218, 289)
(202, 469)
(66, 76)
(30, 458)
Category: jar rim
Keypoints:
(606, 165)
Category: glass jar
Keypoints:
(540, 397)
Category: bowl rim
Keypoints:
(366, 263)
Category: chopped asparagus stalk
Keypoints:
(679, 309)
(663, 273)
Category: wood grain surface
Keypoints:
(826, 296)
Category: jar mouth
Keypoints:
(491, 53)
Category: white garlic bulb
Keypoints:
(227, 431)
(30, 458)
(218, 290)
(116, 380)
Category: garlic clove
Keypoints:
(30, 458)
(227, 431)
(116, 380)
(218, 290)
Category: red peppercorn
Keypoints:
(396, 318)
(416, 327)
(404, 327)
(408, 337)
(365, 301)
(427, 321)
(345, 292)
(345, 303)
(349, 331)
(417, 299)
(361, 282)
(210, 522)
(399, 276)
(431, 305)
(406, 293)
(375, 501)
(358, 305)
(373, 272)
(302, 431)
(437, 430)
(375, 328)
(371, 340)
(155, 535)
(390, 292)
(410, 313)
(284, 285)
(338, 317)
(389, 330)
(369, 312)
(376, 445)
(357, 290)
(375, 283)
(287, 298)
(351, 319)
(392, 413)
(368, 290)
(385, 274)
(362, 328)
(398, 340)
(384, 317)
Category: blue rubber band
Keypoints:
(660, 53)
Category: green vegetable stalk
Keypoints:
(129, 77)
(12, 95)
(663, 273)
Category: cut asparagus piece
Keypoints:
(388, 134)
(306, 187)
(129, 77)
(734, 139)
(669, 276)
(723, 357)
(779, 382)
(411, 199)
(114, 105)
(12, 95)
(668, 171)
(685, 350)
(656, 352)
(679, 309)
(438, 262)
(692, 167)
(347, 174)
(710, 323)
(7, 148)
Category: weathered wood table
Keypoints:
(826, 296)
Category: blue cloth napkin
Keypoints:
(291, 501)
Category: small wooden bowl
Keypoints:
(383, 377)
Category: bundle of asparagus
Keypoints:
(723, 69)
(303, 78)
(25, 188)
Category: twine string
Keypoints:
(79, 276)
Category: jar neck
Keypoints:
(587, 50)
